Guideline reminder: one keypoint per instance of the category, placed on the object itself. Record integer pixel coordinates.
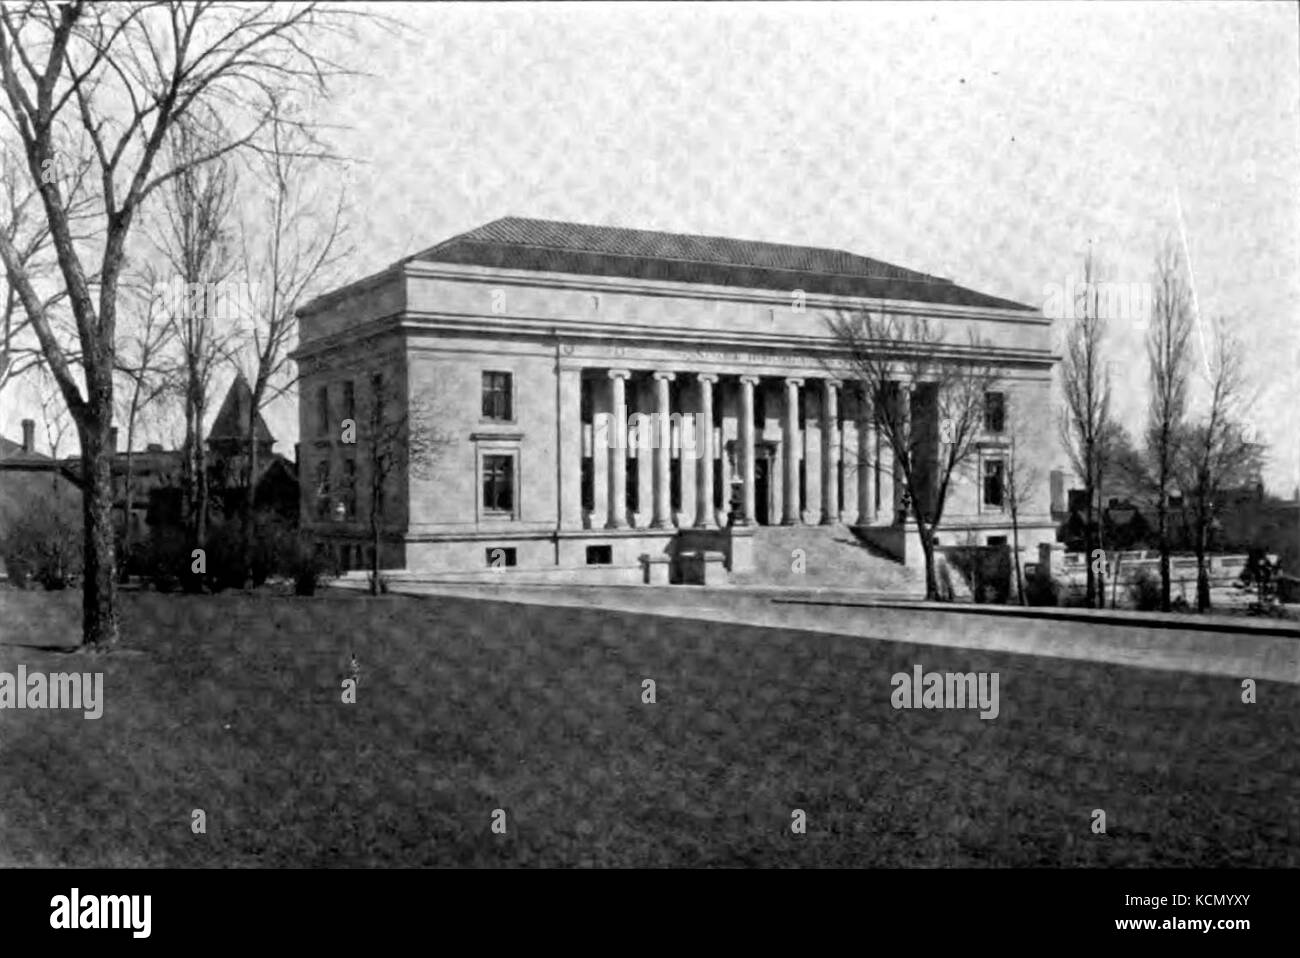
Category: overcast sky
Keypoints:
(988, 143)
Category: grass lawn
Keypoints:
(231, 704)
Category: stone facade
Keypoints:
(531, 368)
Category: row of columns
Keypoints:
(704, 508)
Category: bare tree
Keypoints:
(54, 417)
(1086, 391)
(1021, 478)
(125, 75)
(1167, 357)
(141, 364)
(299, 249)
(400, 438)
(927, 397)
(1216, 453)
(194, 239)
(25, 230)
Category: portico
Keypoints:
(712, 432)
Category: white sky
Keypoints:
(988, 143)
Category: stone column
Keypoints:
(867, 456)
(789, 439)
(569, 473)
(830, 452)
(704, 449)
(745, 459)
(662, 453)
(617, 434)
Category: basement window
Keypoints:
(600, 555)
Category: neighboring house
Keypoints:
(227, 443)
(28, 476)
(156, 472)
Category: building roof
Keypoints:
(14, 457)
(233, 414)
(12, 453)
(545, 245)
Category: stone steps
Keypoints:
(825, 557)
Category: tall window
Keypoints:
(632, 489)
(497, 399)
(995, 411)
(499, 484)
(323, 489)
(588, 484)
(349, 491)
(349, 401)
(993, 482)
(322, 411)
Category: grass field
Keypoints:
(232, 704)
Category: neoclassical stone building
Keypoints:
(532, 341)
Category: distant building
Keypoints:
(29, 479)
(155, 472)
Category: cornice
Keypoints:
(668, 289)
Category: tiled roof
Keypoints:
(517, 243)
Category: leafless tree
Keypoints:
(26, 231)
(1217, 452)
(125, 75)
(400, 437)
(297, 249)
(1021, 478)
(194, 238)
(927, 397)
(1168, 339)
(1086, 391)
(141, 363)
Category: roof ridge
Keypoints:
(908, 277)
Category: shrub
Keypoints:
(1144, 591)
(18, 569)
(165, 560)
(1042, 590)
(44, 544)
(987, 570)
(313, 565)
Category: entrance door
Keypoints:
(761, 490)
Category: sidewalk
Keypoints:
(1237, 648)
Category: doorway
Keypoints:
(762, 488)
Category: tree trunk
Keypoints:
(1202, 572)
(374, 555)
(250, 505)
(99, 593)
(1015, 551)
(201, 489)
(1089, 538)
(126, 512)
(1162, 515)
(927, 548)
(1101, 541)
